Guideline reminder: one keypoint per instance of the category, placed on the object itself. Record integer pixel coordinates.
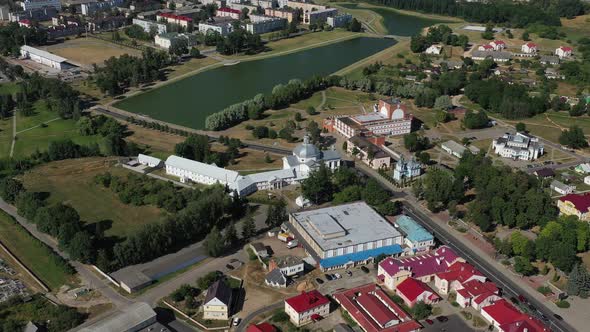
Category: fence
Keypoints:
(22, 266)
(108, 277)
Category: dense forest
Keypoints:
(13, 36)
(512, 14)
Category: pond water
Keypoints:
(189, 101)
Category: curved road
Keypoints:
(246, 321)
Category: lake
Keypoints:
(189, 101)
(395, 22)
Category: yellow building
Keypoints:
(217, 302)
(575, 205)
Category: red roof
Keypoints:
(526, 324)
(460, 271)
(371, 307)
(412, 288)
(530, 45)
(580, 201)
(487, 46)
(503, 312)
(478, 290)
(25, 21)
(262, 327)
(229, 10)
(307, 301)
(175, 17)
(421, 265)
(566, 48)
(499, 42)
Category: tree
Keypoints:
(260, 132)
(248, 228)
(230, 237)
(525, 36)
(421, 310)
(520, 127)
(81, 247)
(413, 142)
(349, 194)
(438, 188)
(524, 266)
(579, 281)
(443, 103)
(214, 243)
(424, 157)
(522, 246)
(317, 187)
(355, 25)
(573, 138)
(475, 120)
(9, 189)
(374, 194)
(298, 117)
(195, 53)
(311, 110)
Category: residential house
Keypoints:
(262, 327)
(575, 204)
(485, 48)
(544, 173)
(366, 149)
(434, 49)
(553, 74)
(563, 52)
(477, 294)
(374, 311)
(529, 48)
(276, 278)
(228, 12)
(260, 24)
(549, 60)
(583, 168)
(182, 21)
(506, 318)
(453, 277)
(456, 149)
(288, 265)
(149, 160)
(259, 249)
(307, 307)
(413, 291)
(392, 271)
(498, 45)
(217, 303)
(587, 180)
(561, 188)
(525, 323)
(497, 56)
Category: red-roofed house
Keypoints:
(25, 23)
(486, 47)
(563, 52)
(529, 48)
(372, 309)
(575, 204)
(183, 21)
(412, 291)
(525, 324)
(477, 294)
(498, 45)
(229, 12)
(501, 313)
(307, 306)
(392, 271)
(262, 327)
(455, 276)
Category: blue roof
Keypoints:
(414, 231)
(360, 256)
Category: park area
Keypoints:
(35, 255)
(88, 51)
(72, 182)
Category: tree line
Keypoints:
(437, 34)
(512, 14)
(13, 36)
(197, 147)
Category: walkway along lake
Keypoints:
(189, 101)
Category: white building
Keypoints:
(339, 20)
(563, 52)
(345, 235)
(498, 45)
(38, 4)
(406, 169)
(43, 57)
(288, 265)
(529, 48)
(307, 307)
(562, 188)
(167, 40)
(93, 7)
(260, 24)
(519, 146)
(307, 157)
(387, 118)
(149, 160)
(453, 148)
(148, 26)
(319, 16)
(220, 25)
(434, 49)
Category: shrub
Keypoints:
(280, 317)
(562, 304)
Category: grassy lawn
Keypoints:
(34, 254)
(9, 88)
(576, 28)
(71, 181)
(88, 51)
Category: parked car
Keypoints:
(328, 276)
(514, 300)
(522, 299)
(365, 269)
(429, 321)
(348, 273)
(442, 319)
(337, 275)
(237, 321)
(229, 266)
(558, 317)
(319, 281)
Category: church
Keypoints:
(306, 157)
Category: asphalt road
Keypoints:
(246, 321)
(508, 286)
(246, 144)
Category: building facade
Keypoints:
(339, 21)
(563, 52)
(406, 170)
(220, 25)
(216, 305)
(38, 4)
(307, 307)
(260, 24)
(149, 25)
(575, 205)
(519, 146)
(388, 118)
(43, 57)
(368, 152)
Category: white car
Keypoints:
(337, 275)
(237, 321)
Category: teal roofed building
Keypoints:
(416, 237)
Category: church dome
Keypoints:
(306, 150)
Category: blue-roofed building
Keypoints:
(345, 235)
(416, 237)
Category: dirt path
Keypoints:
(13, 134)
(323, 100)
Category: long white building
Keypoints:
(518, 146)
(38, 4)
(43, 57)
(297, 167)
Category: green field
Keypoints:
(34, 254)
(9, 88)
(71, 181)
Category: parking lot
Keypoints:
(454, 323)
(357, 278)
